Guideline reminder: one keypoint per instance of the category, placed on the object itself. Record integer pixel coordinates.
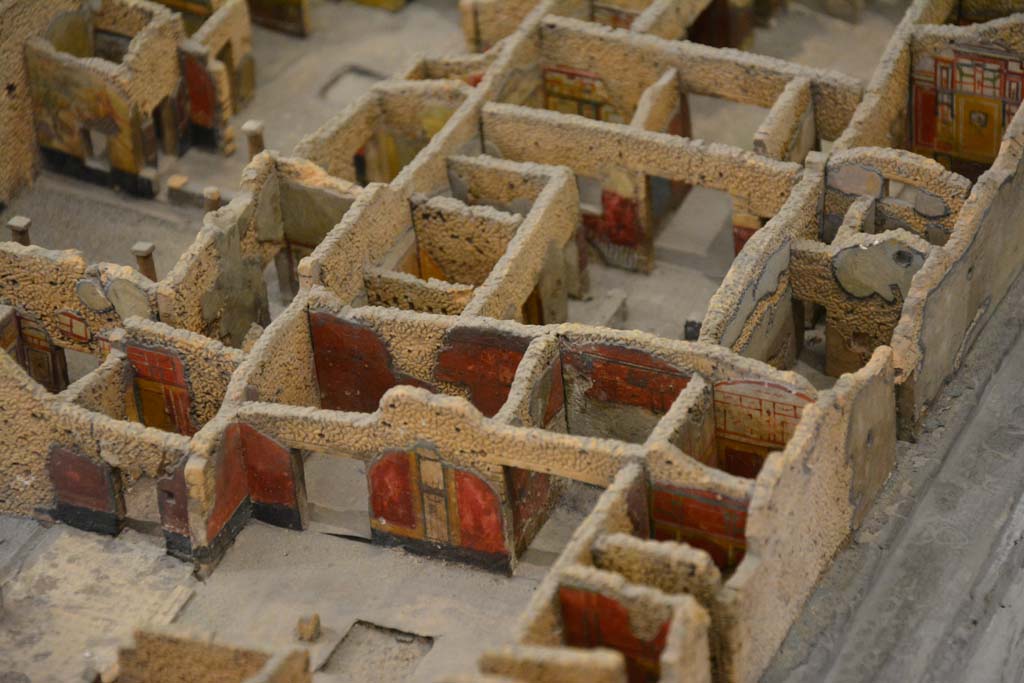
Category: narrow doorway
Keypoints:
(337, 496)
(97, 149)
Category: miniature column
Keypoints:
(211, 198)
(253, 130)
(19, 226)
(144, 257)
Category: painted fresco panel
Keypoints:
(270, 476)
(704, 519)
(592, 620)
(393, 494)
(68, 102)
(270, 469)
(9, 336)
(962, 99)
(42, 359)
(155, 410)
(925, 113)
(572, 91)
(157, 366)
(758, 413)
(416, 496)
(531, 494)
(204, 108)
(485, 362)
(231, 485)
(556, 394)
(81, 482)
(618, 223)
(162, 390)
(172, 501)
(480, 518)
(624, 376)
(353, 364)
(435, 517)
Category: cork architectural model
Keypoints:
(432, 240)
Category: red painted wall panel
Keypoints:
(172, 500)
(592, 620)
(556, 398)
(202, 94)
(627, 376)
(353, 365)
(530, 493)
(269, 467)
(483, 361)
(157, 366)
(479, 514)
(391, 490)
(231, 485)
(704, 519)
(924, 116)
(620, 222)
(81, 482)
(167, 369)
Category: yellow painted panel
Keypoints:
(980, 126)
(155, 411)
(435, 513)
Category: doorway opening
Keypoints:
(337, 496)
(142, 511)
(97, 149)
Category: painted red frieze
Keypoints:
(483, 361)
(592, 620)
(625, 376)
(704, 519)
